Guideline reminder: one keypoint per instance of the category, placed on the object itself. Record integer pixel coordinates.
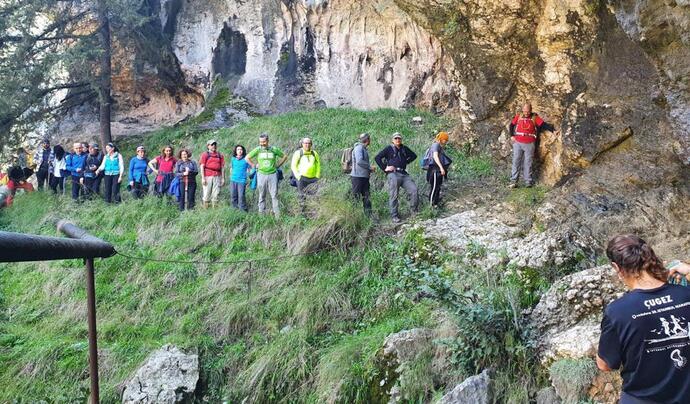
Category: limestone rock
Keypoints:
(474, 390)
(575, 297)
(548, 395)
(168, 376)
(487, 241)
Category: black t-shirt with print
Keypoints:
(646, 332)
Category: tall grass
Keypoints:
(264, 335)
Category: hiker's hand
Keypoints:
(372, 168)
(131, 183)
(222, 182)
(119, 180)
(680, 270)
(81, 180)
(390, 169)
(203, 181)
(443, 171)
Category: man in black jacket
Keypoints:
(393, 160)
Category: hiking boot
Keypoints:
(396, 219)
(513, 184)
(529, 185)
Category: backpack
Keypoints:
(346, 160)
(208, 156)
(427, 160)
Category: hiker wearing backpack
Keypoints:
(92, 178)
(138, 178)
(186, 170)
(212, 166)
(163, 166)
(393, 160)
(306, 168)
(355, 162)
(112, 167)
(524, 130)
(238, 178)
(76, 163)
(267, 160)
(436, 162)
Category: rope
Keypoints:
(234, 262)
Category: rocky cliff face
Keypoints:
(612, 76)
(283, 55)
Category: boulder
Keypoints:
(565, 323)
(474, 390)
(168, 376)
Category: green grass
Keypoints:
(303, 329)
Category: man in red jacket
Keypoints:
(524, 129)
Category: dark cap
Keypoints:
(95, 145)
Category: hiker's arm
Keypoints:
(379, 159)
(152, 165)
(282, 160)
(121, 166)
(101, 167)
(602, 365)
(294, 164)
(437, 160)
(317, 161)
(411, 156)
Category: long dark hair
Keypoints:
(234, 151)
(59, 152)
(634, 256)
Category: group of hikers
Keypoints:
(646, 332)
(261, 169)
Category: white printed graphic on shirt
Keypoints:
(673, 332)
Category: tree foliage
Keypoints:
(49, 57)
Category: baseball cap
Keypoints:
(140, 148)
(397, 135)
(363, 137)
(95, 145)
(210, 142)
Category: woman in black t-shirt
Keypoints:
(646, 332)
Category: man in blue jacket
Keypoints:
(76, 162)
(393, 160)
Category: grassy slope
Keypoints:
(309, 329)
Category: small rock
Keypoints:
(169, 376)
(548, 396)
(474, 390)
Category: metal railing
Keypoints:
(19, 247)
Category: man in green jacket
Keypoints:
(306, 168)
(267, 160)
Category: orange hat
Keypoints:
(442, 136)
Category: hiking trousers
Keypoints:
(57, 182)
(523, 157)
(76, 188)
(305, 186)
(360, 190)
(238, 195)
(396, 180)
(211, 190)
(42, 178)
(111, 190)
(187, 198)
(268, 183)
(435, 180)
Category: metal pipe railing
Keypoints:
(18, 247)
